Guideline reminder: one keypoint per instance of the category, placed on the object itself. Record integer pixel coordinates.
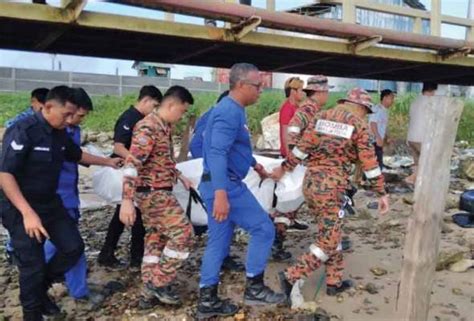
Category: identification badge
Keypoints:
(334, 128)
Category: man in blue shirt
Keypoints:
(76, 277)
(227, 153)
(195, 147)
(37, 100)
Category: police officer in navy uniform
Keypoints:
(33, 153)
(148, 99)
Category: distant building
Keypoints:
(152, 69)
(366, 18)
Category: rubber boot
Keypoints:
(257, 293)
(210, 305)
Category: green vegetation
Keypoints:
(108, 108)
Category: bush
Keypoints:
(108, 108)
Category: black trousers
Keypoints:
(35, 275)
(379, 154)
(115, 230)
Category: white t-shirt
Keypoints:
(418, 119)
(380, 117)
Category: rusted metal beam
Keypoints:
(292, 22)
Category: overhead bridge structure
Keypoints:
(274, 41)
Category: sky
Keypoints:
(21, 59)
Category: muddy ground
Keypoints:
(374, 264)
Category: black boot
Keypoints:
(230, 264)
(32, 315)
(165, 294)
(210, 305)
(278, 253)
(256, 292)
(333, 290)
(49, 308)
(107, 258)
(285, 286)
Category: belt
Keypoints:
(206, 177)
(146, 189)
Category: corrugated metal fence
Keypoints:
(15, 80)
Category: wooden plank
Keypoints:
(348, 11)
(435, 20)
(423, 235)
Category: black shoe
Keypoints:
(285, 286)
(165, 294)
(333, 290)
(210, 305)
(33, 315)
(96, 299)
(49, 308)
(280, 255)
(298, 226)
(230, 264)
(135, 265)
(107, 259)
(256, 292)
(346, 244)
(147, 303)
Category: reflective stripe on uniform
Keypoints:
(151, 259)
(316, 251)
(175, 254)
(130, 172)
(299, 154)
(373, 173)
(294, 129)
(283, 220)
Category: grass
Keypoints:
(108, 108)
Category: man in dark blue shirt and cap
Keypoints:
(34, 150)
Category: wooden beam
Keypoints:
(271, 5)
(73, 9)
(358, 45)
(423, 235)
(418, 25)
(348, 11)
(435, 19)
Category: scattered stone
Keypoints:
(367, 301)
(445, 228)
(363, 214)
(457, 291)
(340, 299)
(408, 200)
(373, 205)
(378, 271)
(461, 265)
(445, 259)
(452, 202)
(240, 316)
(371, 288)
(466, 168)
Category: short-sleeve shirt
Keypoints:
(34, 152)
(417, 125)
(380, 117)
(25, 114)
(123, 129)
(287, 111)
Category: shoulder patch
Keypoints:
(16, 146)
(334, 128)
